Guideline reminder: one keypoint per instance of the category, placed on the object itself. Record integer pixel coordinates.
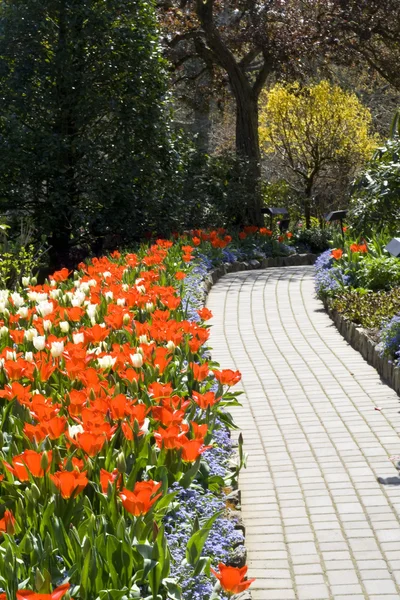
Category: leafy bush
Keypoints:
(313, 240)
(376, 198)
(379, 273)
(366, 308)
(19, 258)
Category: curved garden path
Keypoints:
(320, 497)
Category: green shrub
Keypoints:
(366, 308)
(379, 273)
(313, 240)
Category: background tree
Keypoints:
(85, 146)
(314, 132)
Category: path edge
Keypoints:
(358, 339)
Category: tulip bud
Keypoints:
(28, 546)
(35, 490)
(33, 281)
(149, 306)
(3, 331)
(25, 281)
(39, 580)
(126, 318)
(44, 462)
(121, 463)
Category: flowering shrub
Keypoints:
(390, 338)
(111, 413)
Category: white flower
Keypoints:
(3, 308)
(73, 430)
(125, 287)
(143, 339)
(145, 426)
(121, 301)
(137, 360)
(92, 282)
(44, 308)
(4, 296)
(47, 324)
(171, 346)
(64, 326)
(54, 294)
(126, 318)
(25, 281)
(29, 356)
(107, 361)
(11, 355)
(53, 282)
(141, 289)
(106, 274)
(78, 298)
(78, 338)
(149, 306)
(17, 299)
(23, 312)
(57, 348)
(3, 331)
(91, 310)
(109, 295)
(39, 342)
(30, 334)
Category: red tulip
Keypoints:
(7, 523)
(140, 501)
(227, 376)
(232, 578)
(28, 462)
(70, 483)
(56, 594)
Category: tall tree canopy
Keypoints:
(84, 141)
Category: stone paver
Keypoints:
(320, 526)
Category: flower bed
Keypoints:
(114, 435)
(359, 286)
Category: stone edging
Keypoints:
(357, 337)
(293, 260)
(212, 278)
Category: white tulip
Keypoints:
(11, 355)
(29, 356)
(47, 325)
(64, 326)
(39, 342)
(44, 308)
(25, 281)
(17, 299)
(78, 338)
(23, 312)
(57, 348)
(171, 346)
(30, 334)
(137, 360)
(107, 361)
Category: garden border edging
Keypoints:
(211, 278)
(360, 341)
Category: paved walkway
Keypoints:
(319, 525)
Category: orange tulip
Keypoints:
(106, 478)
(232, 578)
(7, 523)
(200, 372)
(337, 253)
(192, 449)
(227, 376)
(140, 501)
(56, 594)
(205, 314)
(28, 462)
(70, 483)
(90, 443)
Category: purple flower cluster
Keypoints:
(328, 276)
(390, 339)
(191, 504)
(196, 502)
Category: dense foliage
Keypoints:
(376, 198)
(85, 146)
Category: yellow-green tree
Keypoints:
(312, 130)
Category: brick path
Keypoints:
(319, 525)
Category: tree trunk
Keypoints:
(248, 150)
(307, 203)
